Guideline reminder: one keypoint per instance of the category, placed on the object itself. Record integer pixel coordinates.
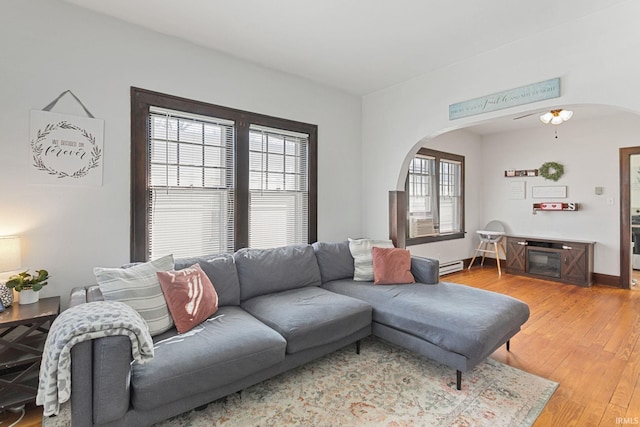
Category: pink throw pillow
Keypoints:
(190, 296)
(391, 266)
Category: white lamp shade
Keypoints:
(565, 115)
(10, 253)
(555, 117)
(556, 120)
(546, 118)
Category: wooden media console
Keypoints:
(567, 261)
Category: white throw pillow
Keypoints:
(363, 257)
(138, 287)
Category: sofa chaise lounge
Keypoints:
(278, 309)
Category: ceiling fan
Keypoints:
(527, 115)
(554, 117)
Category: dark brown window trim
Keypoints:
(438, 155)
(142, 100)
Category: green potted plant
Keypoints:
(28, 285)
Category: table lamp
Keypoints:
(9, 261)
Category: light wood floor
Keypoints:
(584, 338)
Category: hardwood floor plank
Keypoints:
(629, 340)
(613, 415)
(626, 385)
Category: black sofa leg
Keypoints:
(458, 380)
(508, 345)
(358, 347)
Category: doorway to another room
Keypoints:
(630, 218)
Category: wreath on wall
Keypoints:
(552, 170)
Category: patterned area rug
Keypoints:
(383, 386)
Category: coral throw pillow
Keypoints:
(391, 266)
(190, 296)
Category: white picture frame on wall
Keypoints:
(549, 192)
(517, 190)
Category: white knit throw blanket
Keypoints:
(81, 323)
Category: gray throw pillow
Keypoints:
(138, 287)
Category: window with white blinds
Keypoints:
(278, 187)
(450, 196)
(423, 194)
(207, 179)
(435, 189)
(191, 184)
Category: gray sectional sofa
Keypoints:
(278, 309)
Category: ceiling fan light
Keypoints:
(565, 115)
(546, 118)
(556, 120)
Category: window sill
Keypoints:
(428, 239)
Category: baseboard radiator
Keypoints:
(451, 267)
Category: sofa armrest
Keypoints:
(425, 270)
(94, 294)
(100, 372)
(111, 378)
(81, 371)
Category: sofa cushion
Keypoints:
(139, 288)
(310, 317)
(221, 270)
(457, 318)
(391, 266)
(264, 271)
(190, 296)
(230, 346)
(334, 259)
(363, 258)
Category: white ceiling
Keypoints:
(358, 46)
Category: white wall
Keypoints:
(48, 46)
(593, 56)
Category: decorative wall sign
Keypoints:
(555, 206)
(534, 92)
(517, 190)
(66, 149)
(549, 192)
(510, 173)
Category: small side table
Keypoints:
(23, 331)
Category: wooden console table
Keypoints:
(567, 261)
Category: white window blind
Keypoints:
(191, 184)
(450, 196)
(278, 187)
(423, 196)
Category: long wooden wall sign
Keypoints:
(535, 92)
